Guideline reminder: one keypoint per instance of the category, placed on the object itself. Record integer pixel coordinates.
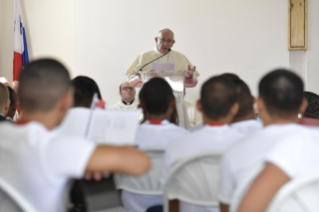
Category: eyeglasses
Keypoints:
(127, 88)
(165, 41)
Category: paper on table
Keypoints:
(163, 66)
(115, 127)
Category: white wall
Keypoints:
(247, 37)
(102, 38)
(49, 31)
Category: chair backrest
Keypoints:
(243, 187)
(11, 200)
(194, 180)
(298, 195)
(148, 183)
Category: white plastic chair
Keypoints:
(148, 183)
(242, 188)
(18, 201)
(298, 195)
(194, 180)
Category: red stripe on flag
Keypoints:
(17, 65)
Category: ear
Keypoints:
(260, 105)
(234, 109)
(67, 101)
(173, 42)
(141, 104)
(156, 39)
(199, 106)
(254, 99)
(173, 104)
(303, 106)
(7, 105)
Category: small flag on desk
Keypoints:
(21, 56)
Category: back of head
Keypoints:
(230, 76)
(11, 96)
(313, 103)
(85, 88)
(244, 99)
(156, 95)
(218, 95)
(282, 93)
(42, 84)
(4, 95)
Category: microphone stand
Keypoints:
(169, 50)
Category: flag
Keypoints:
(20, 56)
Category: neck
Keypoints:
(224, 120)
(250, 116)
(156, 117)
(44, 118)
(275, 120)
(128, 100)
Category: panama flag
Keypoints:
(21, 56)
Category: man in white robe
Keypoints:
(128, 100)
(164, 42)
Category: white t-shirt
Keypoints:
(208, 138)
(248, 126)
(297, 155)
(248, 154)
(38, 163)
(151, 135)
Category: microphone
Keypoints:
(169, 50)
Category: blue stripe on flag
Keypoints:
(25, 55)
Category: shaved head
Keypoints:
(42, 84)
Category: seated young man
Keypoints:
(158, 102)
(218, 104)
(39, 162)
(245, 120)
(295, 156)
(279, 102)
(84, 90)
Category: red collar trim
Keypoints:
(214, 124)
(21, 122)
(155, 121)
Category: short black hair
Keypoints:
(157, 95)
(244, 98)
(42, 84)
(11, 92)
(218, 95)
(282, 93)
(313, 103)
(85, 88)
(230, 76)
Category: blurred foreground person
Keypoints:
(295, 156)
(4, 102)
(279, 102)
(218, 104)
(42, 161)
(158, 102)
